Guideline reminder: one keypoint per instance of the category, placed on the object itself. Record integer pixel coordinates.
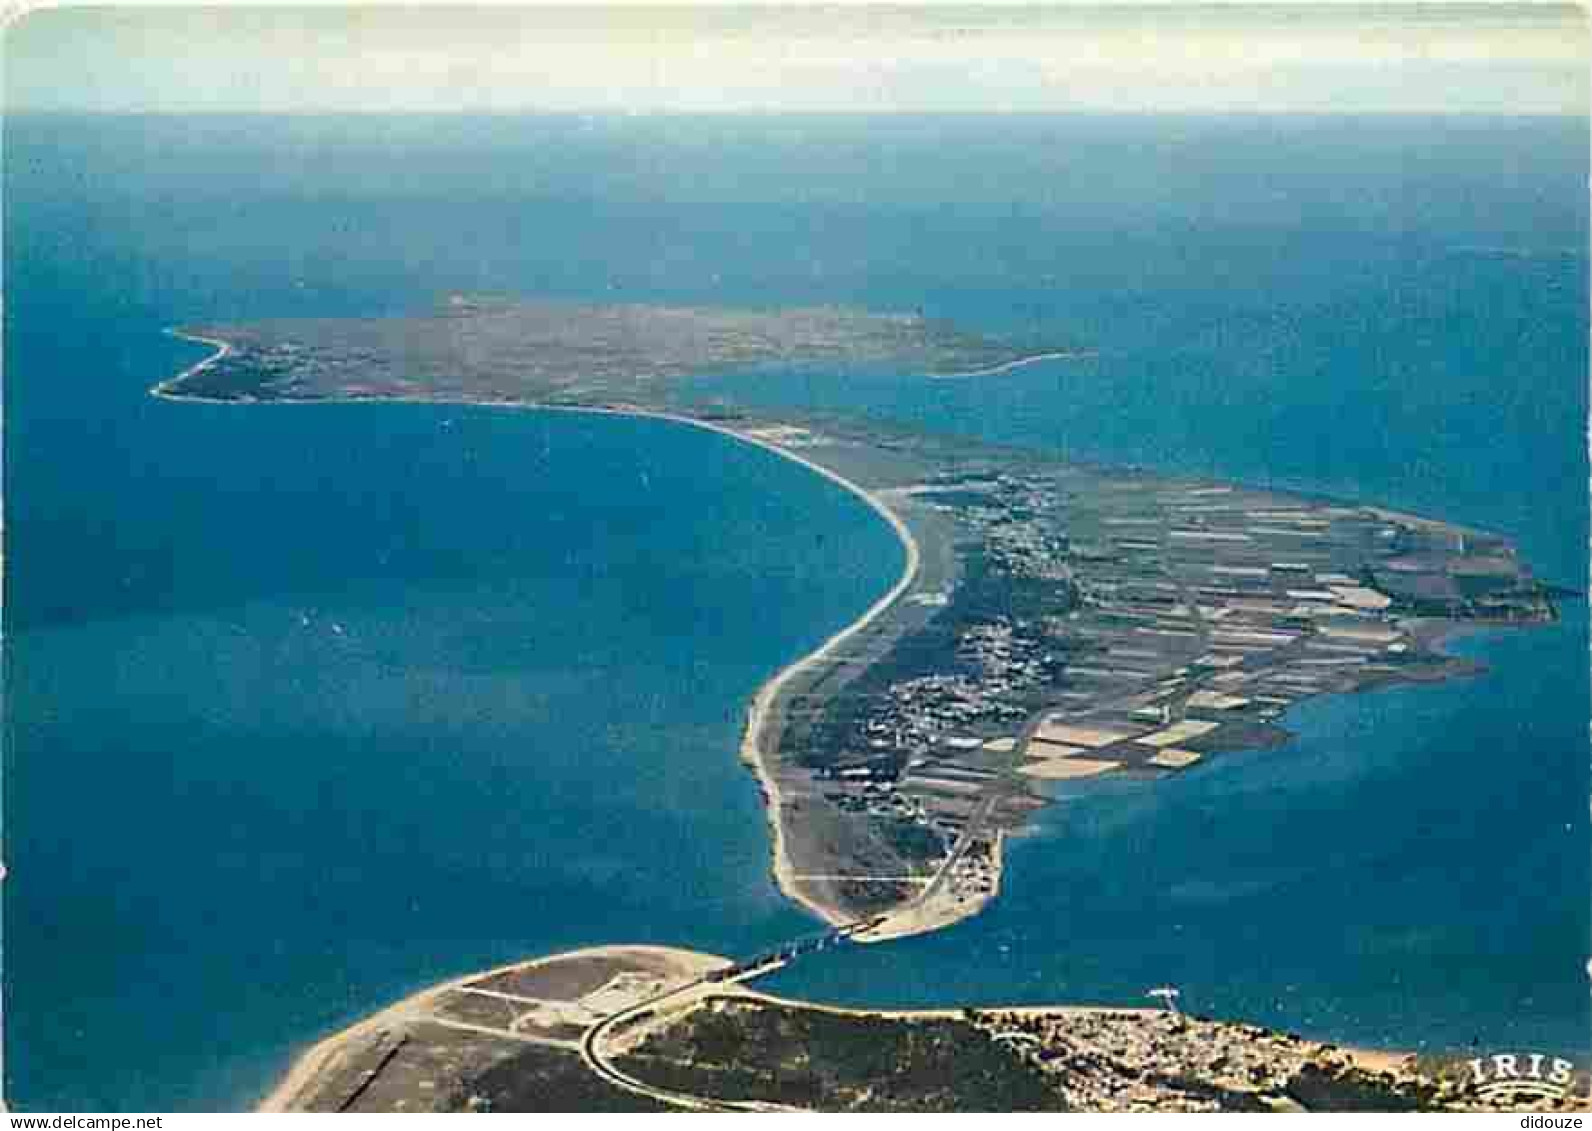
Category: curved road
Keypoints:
(591, 1044)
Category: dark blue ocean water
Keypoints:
(309, 706)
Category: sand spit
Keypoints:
(406, 1051)
(1019, 363)
(325, 1054)
(762, 716)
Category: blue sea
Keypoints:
(307, 707)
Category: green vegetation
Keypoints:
(740, 1050)
(568, 353)
(544, 1079)
(988, 594)
(1339, 1088)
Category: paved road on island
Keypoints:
(682, 997)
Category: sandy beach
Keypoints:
(761, 713)
(1008, 366)
(328, 1059)
(316, 1059)
(937, 908)
(928, 912)
(222, 349)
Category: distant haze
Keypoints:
(1474, 59)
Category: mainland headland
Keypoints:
(649, 1029)
(1052, 622)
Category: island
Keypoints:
(1054, 623)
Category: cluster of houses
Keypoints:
(1129, 624)
(1157, 1061)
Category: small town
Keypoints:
(1100, 626)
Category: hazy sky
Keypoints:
(1461, 59)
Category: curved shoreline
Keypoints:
(222, 347)
(309, 1063)
(321, 1058)
(760, 712)
(1019, 363)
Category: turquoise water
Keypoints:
(1402, 874)
(310, 706)
(458, 724)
